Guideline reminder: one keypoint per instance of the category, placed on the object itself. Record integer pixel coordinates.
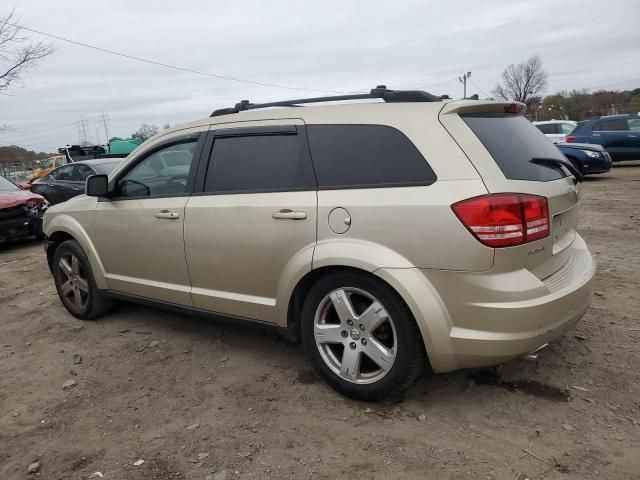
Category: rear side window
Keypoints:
(567, 128)
(548, 128)
(612, 125)
(513, 141)
(359, 156)
(259, 163)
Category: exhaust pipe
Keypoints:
(533, 356)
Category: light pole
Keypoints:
(463, 80)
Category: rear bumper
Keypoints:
(482, 319)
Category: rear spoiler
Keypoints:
(480, 106)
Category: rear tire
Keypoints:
(75, 283)
(361, 336)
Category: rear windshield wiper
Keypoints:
(559, 161)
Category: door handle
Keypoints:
(287, 214)
(166, 214)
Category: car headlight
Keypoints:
(592, 154)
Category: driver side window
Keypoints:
(164, 172)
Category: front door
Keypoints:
(139, 231)
(252, 227)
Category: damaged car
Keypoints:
(21, 212)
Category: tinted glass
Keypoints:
(164, 172)
(513, 141)
(105, 168)
(612, 125)
(259, 164)
(7, 186)
(59, 162)
(84, 172)
(353, 156)
(548, 128)
(66, 173)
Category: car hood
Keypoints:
(15, 198)
(582, 146)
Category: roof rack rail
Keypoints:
(381, 92)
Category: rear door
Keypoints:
(613, 135)
(250, 227)
(501, 146)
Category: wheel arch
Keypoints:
(301, 290)
(64, 227)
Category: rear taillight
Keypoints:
(570, 138)
(505, 219)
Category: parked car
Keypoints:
(556, 130)
(387, 235)
(588, 158)
(618, 134)
(20, 212)
(68, 181)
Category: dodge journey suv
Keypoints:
(387, 235)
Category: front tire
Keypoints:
(75, 283)
(361, 336)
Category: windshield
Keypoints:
(513, 141)
(7, 186)
(105, 168)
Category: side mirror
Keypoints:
(97, 186)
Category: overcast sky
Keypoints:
(324, 45)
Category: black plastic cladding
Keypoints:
(381, 92)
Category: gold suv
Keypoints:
(390, 234)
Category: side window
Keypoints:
(357, 156)
(567, 128)
(612, 125)
(59, 162)
(84, 172)
(259, 163)
(66, 173)
(164, 172)
(547, 128)
(634, 124)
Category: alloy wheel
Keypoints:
(355, 335)
(74, 287)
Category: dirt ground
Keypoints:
(203, 400)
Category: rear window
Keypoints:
(513, 141)
(366, 156)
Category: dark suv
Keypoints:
(618, 134)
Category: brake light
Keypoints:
(505, 219)
(570, 139)
(516, 107)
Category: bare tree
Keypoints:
(522, 82)
(145, 131)
(17, 53)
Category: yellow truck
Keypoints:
(46, 166)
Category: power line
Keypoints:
(432, 84)
(166, 65)
(481, 90)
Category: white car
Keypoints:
(556, 130)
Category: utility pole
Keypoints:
(82, 130)
(463, 80)
(106, 121)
